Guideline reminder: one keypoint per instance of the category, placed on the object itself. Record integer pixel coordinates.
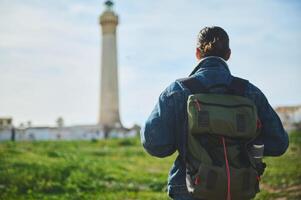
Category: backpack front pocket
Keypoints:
(210, 182)
(227, 115)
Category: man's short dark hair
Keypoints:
(213, 41)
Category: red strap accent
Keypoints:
(258, 178)
(197, 180)
(258, 124)
(198, 105)
(228, 170)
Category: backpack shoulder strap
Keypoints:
(193, 84)
(238, 86)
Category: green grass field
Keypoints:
(115, 169)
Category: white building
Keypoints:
(87, 132)
(290, 116)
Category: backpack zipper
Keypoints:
(221, 105)
(227, 170)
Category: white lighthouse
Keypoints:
(109, 98)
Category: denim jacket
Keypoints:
(164, 131)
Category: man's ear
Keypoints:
(228, 54)
(198, 54)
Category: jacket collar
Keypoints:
(210, 62)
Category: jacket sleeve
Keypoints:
(273, 135)
(157, 136)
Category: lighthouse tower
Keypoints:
(109, 98)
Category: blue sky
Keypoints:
(50, 53)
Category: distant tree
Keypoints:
(106, 130)
(21, 125)
(60, 122)
(13, 134)
(29, 124)
(297, 126)
(137, 128)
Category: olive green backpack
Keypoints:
(220, 127)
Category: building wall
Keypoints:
(65, 133)
(289, 115)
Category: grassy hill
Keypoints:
(114, 169)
